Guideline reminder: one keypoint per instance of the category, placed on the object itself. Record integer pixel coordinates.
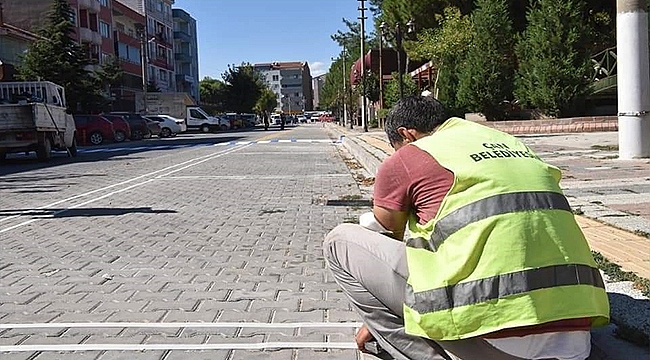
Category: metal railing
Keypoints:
(604, 64)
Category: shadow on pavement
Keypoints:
(82, 212)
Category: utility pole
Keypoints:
(362, 9)
(142, 30)
(345, 90)
(381, 77)
(633, 79)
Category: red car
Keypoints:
(121, 126)
(93, 129)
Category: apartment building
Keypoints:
(317, 87)
(14, 43)
(186, 55)
(292, 84)
(92, 21)
(126, 23)
(160, 41)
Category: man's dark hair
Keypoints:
(422, 113)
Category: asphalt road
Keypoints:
(224, 229)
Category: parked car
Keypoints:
(121, 126)
(302, 119)
(169, 126)
(154, 127)
(139, 126)
(181, 122)
(94, 129)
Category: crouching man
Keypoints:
(494, 265)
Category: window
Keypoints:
(161, 52)
(159, 6)
(73, 17)
(103, 3)
(276, 78)
(163, 76)
(106, 58)
(196, 114)
(105, 30)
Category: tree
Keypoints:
(486, 75)
(267, 102)
(554, 62)
(213, 94)
(447, 47)
(244, 87)
(391, 90)
(56, 57)
(106, 79)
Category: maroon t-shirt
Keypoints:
(412, 180)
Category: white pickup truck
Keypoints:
(33, 118)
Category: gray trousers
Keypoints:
(371, 270)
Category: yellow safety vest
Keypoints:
(504, 249)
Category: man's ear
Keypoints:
(407, 134)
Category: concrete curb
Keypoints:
(632, 312)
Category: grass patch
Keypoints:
(351, 197)
(605, 147)
(615, 273)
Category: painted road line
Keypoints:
(177, 325)
(145, 347)
(256, 177)
(191, 163)
(106, 187)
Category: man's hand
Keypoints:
(362, 337)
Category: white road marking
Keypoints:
(203, 159)
(106, 187)
(144, 347)
(253, 177)
(177, 325)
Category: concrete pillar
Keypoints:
(633, 79)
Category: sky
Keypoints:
(236, 31)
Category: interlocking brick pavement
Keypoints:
(226, 237)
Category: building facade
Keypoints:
(186, 54)
(126, 22)
(292, 84)
(160, 41)
(14, 43)
(92, 21)
(317, 86)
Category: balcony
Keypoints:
(162, 63)
(92, 6)
(88, 36)
(183, 57)
(183, 36)
(125, 38)
(162, 39)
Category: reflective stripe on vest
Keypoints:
(500, 286)
(485, 208)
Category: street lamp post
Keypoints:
(398, 36)
(364, 110)
(142, 33)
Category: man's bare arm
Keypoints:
(393, 220)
